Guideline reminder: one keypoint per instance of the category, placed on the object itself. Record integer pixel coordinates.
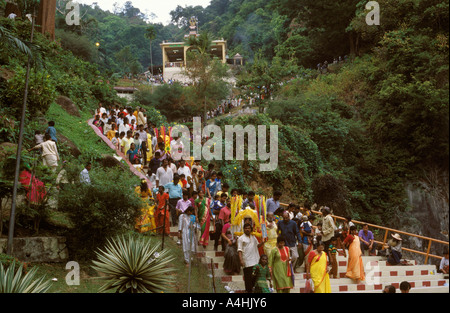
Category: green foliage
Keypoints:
(12, 281)
(41, 92)
(6, 260)
(80, 46)
(100, 210)
(77, 130)
(169, 100)
(132, 264)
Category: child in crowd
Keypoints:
(201, 182)
(317, 234)
(121, 137)
(261, 274)
(219, 181)
(38, 138)
(115, 140)
(51, 130)
(183, 181)
(332, 256)
(187, 233)
(192, 199)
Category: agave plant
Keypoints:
(13, 281)
(132, 265)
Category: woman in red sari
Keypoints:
(162, 211)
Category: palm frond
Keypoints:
(10, 41)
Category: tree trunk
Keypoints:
(151, 58)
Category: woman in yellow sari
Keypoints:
(355, 266)
(147, 216)
(317, 270)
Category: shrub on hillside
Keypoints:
(105, 208)
(79, 45)
(41, 92)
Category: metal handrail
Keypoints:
(387, 230)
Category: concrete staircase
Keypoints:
(423, 278)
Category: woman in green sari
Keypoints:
(261, 274)
(202, 206)
(280, 267)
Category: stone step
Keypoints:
(383, 270)
(438, 285)
(344, 280)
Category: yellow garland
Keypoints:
(236, 203)
(247, 213)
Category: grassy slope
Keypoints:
(77, 130)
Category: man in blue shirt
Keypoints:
(250, 201)
(273, 204)
(51, 131)
(289, 229)
(175, 193)
(367, 240)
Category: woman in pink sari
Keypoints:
(202, 205)
(355, 266)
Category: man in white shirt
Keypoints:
(172, 165)
(84, 175)
(50, 155)
(164, 174)
(248, 254)
(102, 109)
(328, 228)
(183, 169)
(124, 127)
(141, 118)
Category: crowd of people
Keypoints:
(200, 203)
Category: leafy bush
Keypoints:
(6, 260)
(107, 207)
(79, 45)
(41, 92)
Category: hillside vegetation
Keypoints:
(352, 138)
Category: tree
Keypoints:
(125, 58)
(263, 78)
(205, 72)
(151, 35)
